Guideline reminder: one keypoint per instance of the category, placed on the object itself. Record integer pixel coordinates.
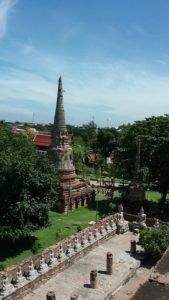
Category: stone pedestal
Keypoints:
(109, 263)
(136, 193)
(133, 246)
(74, 297)
(50, 296)
(93, 279)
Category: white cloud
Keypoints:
(5, 10)
(20, 85)
(121, 91)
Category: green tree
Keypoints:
(78, 153)
(153, 134)
(154, 241)
(28, 185)
(106, 141)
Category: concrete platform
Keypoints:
(76, 279)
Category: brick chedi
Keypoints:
(72, 192)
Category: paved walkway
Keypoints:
(75, 279)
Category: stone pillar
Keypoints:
(93, 279)
(50, 296)
(109, 263)
(133, 246)
(74, 297)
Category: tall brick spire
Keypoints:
(72, 192)
(59, 128)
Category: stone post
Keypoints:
(74, 297)
(50, 296)
(109, 263)
(93, 279)
(133, 246)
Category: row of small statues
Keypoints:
(54, 259)
(119, 224)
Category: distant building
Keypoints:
(42, 140)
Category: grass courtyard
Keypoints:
(60, 226)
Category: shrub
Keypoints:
(154, 241)
(79, 228)
(36, 247)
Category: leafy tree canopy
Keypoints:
(28, 185)
(106, 140)
(153, 134)
(154, 241)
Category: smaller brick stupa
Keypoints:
(136, 190)
(73, 192)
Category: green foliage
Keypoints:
(153, 134)
(106, 140)
(28, 186)
(79, 228)
(36, 247)
(154, 241)
(2, 267)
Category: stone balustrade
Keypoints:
(30, 273)
(55, 257)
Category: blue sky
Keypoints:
(113, 56)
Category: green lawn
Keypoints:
(60, 227)
(154, 196)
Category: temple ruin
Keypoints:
(73, 192)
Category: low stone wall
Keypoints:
(93, 235)
(149, 221)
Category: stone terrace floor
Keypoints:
(76, 279)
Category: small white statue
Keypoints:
(156, 223)
(53, 260)
(32, 271)
(20, 279)
(43, 266)
(142, 218)
(70, 250)
(122, 225)
(7, 287)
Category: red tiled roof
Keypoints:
(44, 139)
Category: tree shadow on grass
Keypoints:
(12, 249)
(105, 206)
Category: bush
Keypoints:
(79, 228)
(154, 241)
(36, 247)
